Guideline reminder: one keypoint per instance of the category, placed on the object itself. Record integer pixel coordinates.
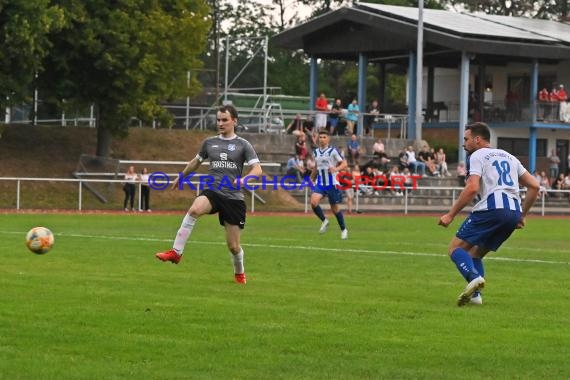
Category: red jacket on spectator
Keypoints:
(553, 95)
(543, 95)
(562, 95)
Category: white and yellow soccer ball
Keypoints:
(39, 240)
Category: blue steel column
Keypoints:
(313, 83)
(362, 66)
(411, 128)
(533, 110)
(463, 101)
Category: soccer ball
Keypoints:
(39, 240)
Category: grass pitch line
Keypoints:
(300, 248)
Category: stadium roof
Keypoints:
(385, 32)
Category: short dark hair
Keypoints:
(479, 129)
(230, 109)
(324, 132)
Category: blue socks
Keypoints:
(319, 212)
(464, 264)
(340, 220)
(478, 265)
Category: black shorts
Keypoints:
(230, 211)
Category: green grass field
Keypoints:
(380, 305)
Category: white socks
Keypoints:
(237, 260)
(183, 233)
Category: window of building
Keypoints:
(520, 147)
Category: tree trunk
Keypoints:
(104, 138)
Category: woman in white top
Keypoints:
(129, 188)
(145, 191)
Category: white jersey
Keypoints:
(327, 158)
(499, 183)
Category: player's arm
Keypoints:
(466, 197)
(255, 171)
(532, 188)
(190, 167)
(340, 166)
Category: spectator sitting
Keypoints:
(461, 173)
(378, 147)
(441, 162)
(295, 127)
(428, 160)
(295, 168)
(415, 166)
(544, 184)
(353, 149)
(403, 160)
(559, 184)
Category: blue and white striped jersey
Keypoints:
(326, 158)
(499, 183)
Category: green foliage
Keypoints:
(25, 26)
(121, 56)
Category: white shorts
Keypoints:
(320, 120)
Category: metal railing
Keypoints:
(406, 207)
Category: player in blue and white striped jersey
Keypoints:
(328, 163)
(495, 176)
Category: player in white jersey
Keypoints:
(495, 176)
(328, 164)
(227, 153)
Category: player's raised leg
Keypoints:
(200, 207)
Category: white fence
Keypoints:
(540, 207)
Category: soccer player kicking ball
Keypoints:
(328, 163)
(227, 154)
(495, 176)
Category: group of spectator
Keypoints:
(556, 179)
(131, 180)
(426, 162)
(336, 119)
(554, 104)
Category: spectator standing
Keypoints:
(372, 113)
(145, 191)
(335, 114)
(554, 162)
(564, 108)
(352, 117)
(301, 146)
(129, 188)
(543, 100)
(322, 108)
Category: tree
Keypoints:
(24, 29)
(124, 57)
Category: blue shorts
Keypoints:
(334, 194)
(489, 229)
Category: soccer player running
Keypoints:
(328, 163)
(227, 153)
(494, 175)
